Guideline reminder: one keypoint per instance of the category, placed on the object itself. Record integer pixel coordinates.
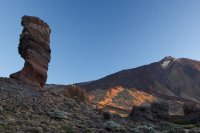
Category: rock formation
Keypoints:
(141, 113)
(35, 50)
(160, 110)
(155, 112)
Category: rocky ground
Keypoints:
(24, 109)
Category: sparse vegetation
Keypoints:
(112, 126)
(57, 114)
(144, 129)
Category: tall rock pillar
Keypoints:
(34, 48)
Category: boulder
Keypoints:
(75, 92)
(191, 114)
(160, 110)
(191, 108)
(34, 48)
(141, 113)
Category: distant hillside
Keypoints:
(168, 79)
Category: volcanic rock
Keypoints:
(191, 108)
(160, 110)
(191, 114)
(176, 80)
(35, 50)
(141, 113)
(156, 112)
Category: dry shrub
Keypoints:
(75, 92)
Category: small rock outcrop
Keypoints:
(191, 108)
(191, 114)
(34, 48)
(158, 111)
(141, 113)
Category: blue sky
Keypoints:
(93, 38)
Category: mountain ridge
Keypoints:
(171, 79)
(129, 78)
(175, 80)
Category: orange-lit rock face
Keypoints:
(35, 50)
(120, 100)
(110, 95)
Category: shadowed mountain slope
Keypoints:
(169, 77)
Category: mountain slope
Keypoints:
(169, 79)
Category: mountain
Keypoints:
(169, 79)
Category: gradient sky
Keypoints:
(93, 38)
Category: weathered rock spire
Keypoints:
(35, 50)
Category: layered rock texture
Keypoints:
(34, 48)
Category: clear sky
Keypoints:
(93, 38)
